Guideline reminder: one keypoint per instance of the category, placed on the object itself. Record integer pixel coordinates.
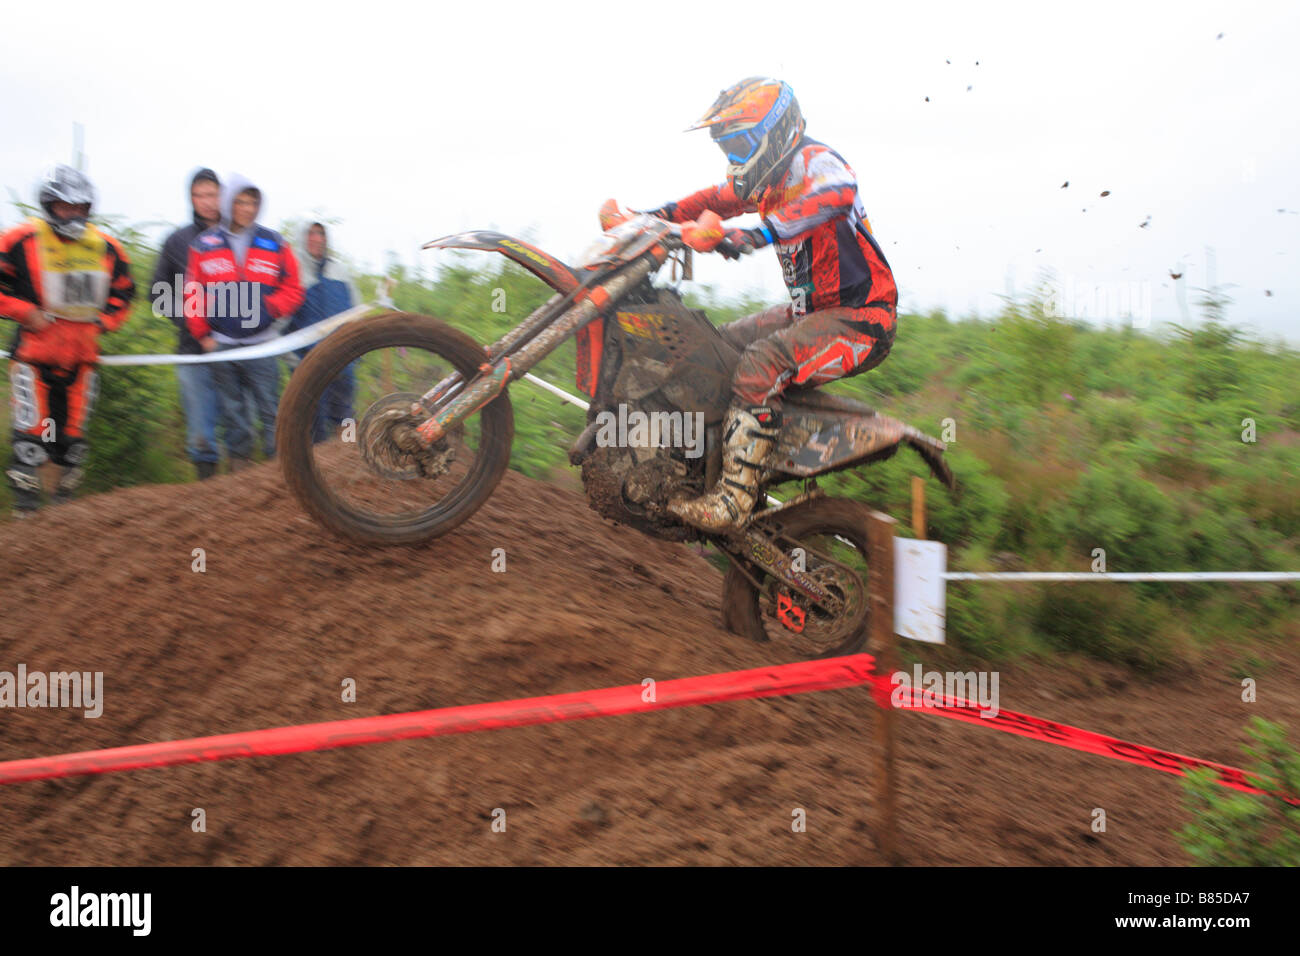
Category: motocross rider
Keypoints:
(64, 283)
(843, 308)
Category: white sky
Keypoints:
(409, 122)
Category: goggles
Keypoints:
(740, 147)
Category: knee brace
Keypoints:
(29, 451)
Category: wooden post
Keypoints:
(918, 506)
(884, 645)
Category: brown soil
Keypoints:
(283, 614)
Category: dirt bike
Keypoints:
(426, 452)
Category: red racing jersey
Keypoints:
(823, 240)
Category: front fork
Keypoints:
(495, 374)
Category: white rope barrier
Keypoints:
(277, 346)
(557, 391)
(314, 333)
(289, 343)
(1122, 576)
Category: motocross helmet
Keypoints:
(758, 125)
(65, 184)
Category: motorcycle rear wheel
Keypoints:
(833, 533)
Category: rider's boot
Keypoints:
(69, 480)
(25, 481)
(750, 436)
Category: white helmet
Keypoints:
(65, 184)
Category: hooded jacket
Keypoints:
(328, 286)
(172, 262)
(249, 279)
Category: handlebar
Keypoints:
(613, 215)
(730, 250)
(727, 248)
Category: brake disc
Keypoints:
(391, 445)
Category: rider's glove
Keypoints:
(704, 234)
(739, 242)
(34, 317)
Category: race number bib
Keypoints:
(74, 281)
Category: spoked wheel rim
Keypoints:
(350, 448)
(374, 466)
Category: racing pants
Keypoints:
(50, 408)
(780, 350)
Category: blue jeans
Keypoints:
(202, 407)
(335, 404)
(250, 382)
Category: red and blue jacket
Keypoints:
(239, 302)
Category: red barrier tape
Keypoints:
(1074, 737)
(831, 674)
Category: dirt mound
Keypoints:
(283, 614)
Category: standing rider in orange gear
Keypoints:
(842, 316)
(64, 282)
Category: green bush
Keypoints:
(1230, 828)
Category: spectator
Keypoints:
(250, 279)
(199, 397)
(328, 290)
(64, 282)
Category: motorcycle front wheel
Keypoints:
(345, 433)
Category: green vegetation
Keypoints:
(1071, 438)
(1230, 828)
(1067, 438)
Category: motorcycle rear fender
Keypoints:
(822, 433)
(541, 264)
